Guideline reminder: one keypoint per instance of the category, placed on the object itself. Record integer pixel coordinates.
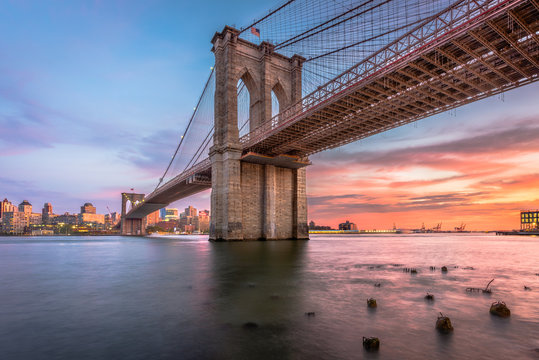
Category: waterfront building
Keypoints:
(529, 220)
(152, 218)
(313, 226)
(185, 222)
(6, 206)
(66, 218)
(88, 215)
(89, 218)
(171, 214)
(35, 219)
(46, 213)
(14, 222)
(171, 225)
(88, 208)
(190, 211)
(25, 207)
(202, 222)
(112, 219)
(347, 226)
(162, 213)
(41, 231)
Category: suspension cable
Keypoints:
(186, 129)
(267, 16)
(330, 26)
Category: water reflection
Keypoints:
(255, 294)
(186, 298)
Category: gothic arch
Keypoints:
(281, 95)
(251, 85)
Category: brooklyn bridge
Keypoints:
(315, 75)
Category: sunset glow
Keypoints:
(95, 105)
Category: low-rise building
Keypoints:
(14, 222)
(529, 220)
(90, 218)
(66, 218)
(347, 226)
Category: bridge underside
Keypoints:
(483, 56)
(490, 58)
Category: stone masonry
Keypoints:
(132, 226)
(253, 201)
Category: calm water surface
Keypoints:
(186, 298)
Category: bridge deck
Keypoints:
(493, 53)
(476, 55)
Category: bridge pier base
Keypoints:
(253, 201)
(132, 226)
(254, 196)
(135, 227)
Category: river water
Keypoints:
(186, 298)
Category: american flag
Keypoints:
(255, 31)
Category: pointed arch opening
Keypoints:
(246, 90)
(278, 99)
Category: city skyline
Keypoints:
(95, 105)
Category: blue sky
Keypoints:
(94, 96)
(92, 92)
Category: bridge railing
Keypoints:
(423, 37)
(199, 167)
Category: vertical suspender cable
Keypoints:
(186, 129)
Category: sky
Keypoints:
(95, 94)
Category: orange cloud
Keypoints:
(482, 180)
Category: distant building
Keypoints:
(30, 218)
(202, 222)
(6, 206)
(152, 218)
(89, 218)
(163, 213)
(313, 226)
(88, 215)
(171, 214)
(170, 225)
(529, 220)
(190, 211)
(25, 207)
(66, 218)
(46, 213)
(35, 219)
(14, 222)
(112, 219)
(347, 226)
(88, 208)
(189, 221)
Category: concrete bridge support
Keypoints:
(254, 196)
(132, 226)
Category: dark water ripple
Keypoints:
(186, 298)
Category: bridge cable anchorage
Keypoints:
(187, 128)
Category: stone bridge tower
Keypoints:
(253, 197)
(132, 226)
